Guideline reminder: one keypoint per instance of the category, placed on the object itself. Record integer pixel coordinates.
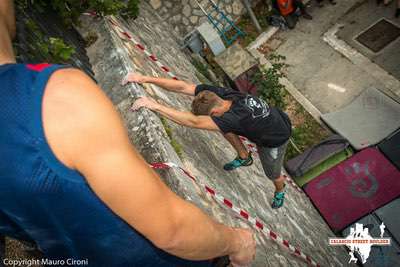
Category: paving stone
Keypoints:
(194, 19)
(163, 11)
(202, 20)
(193, 3)
(197, 12)
(168, 4)
(177, 18)
(186, 10)
(237, 8)
(185, 21)
(156, 4)
(228, 9)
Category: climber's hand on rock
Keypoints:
(133, 78)
(144, 102)
(247, 248)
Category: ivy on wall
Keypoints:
(41, 45)
(70, 10)
(50, 49)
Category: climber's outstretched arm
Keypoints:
(184, 118)
(168, 84)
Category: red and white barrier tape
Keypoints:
(293, 183)
(250, 146)
(242, 213)
(91, 14)
(129, 36)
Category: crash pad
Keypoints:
(322, 167)
(390, 215)
(354, 188)
(317, 159)
(391, 148)
(316, 154)
(366, 121)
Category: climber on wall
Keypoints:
(73, 184)
(232, 113)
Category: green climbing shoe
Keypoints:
(238, 162)
(279, 197)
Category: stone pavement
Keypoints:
(330, 73)
(360, 20)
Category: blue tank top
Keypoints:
(43, 201)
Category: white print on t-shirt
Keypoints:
(274, 153)
(257, 106)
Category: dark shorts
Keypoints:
(272, 160)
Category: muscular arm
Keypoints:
(93, 141)
(168, 84)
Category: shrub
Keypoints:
(59, 50)
(267, 82)
(70, 10)
(49, 49)
(201, 68)
(131, 10)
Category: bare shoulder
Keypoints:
(74, 96)
(72, 83)
(75, 114)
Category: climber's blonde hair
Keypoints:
(204, 102)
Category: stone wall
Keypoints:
(204, 152)
(185, 15)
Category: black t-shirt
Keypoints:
(251, 117)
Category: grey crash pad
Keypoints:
(390, 215)
(380, 256)
(391, 148)
(369, 119)
(315, 155)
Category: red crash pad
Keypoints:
(354, 188)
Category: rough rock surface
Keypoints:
(204, 153)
